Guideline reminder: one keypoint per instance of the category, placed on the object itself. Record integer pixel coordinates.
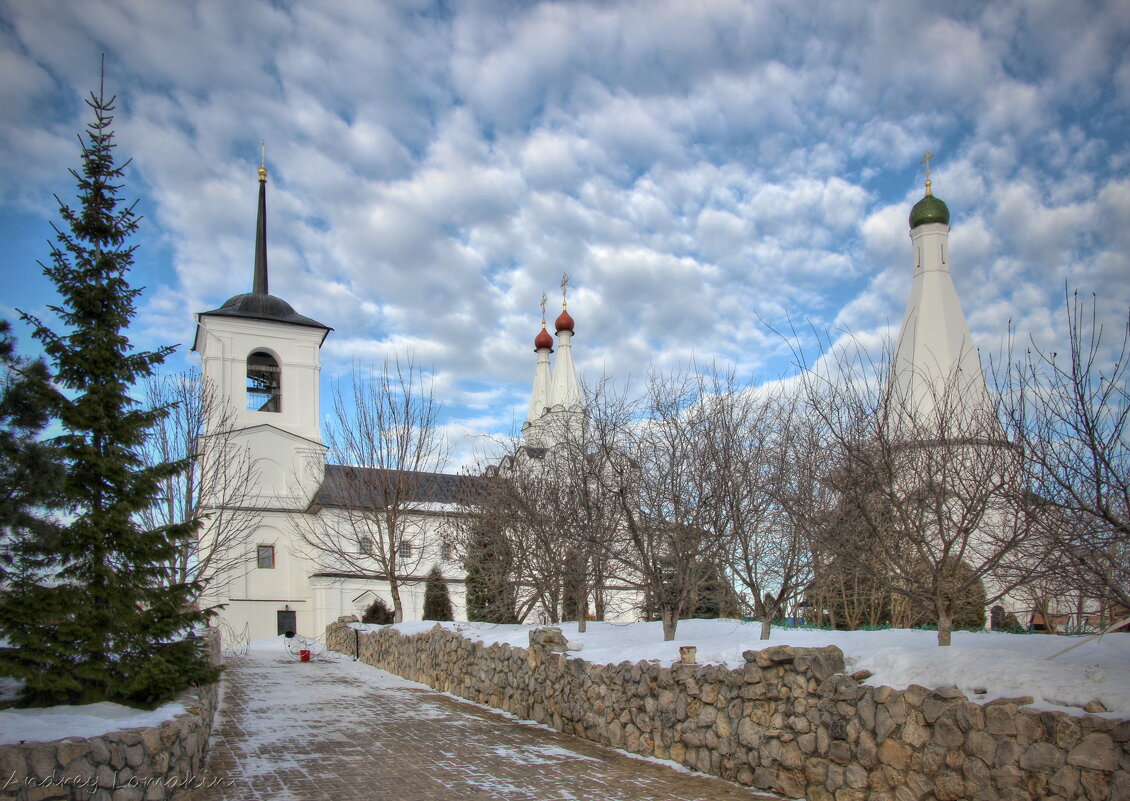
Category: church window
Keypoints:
(446, 552)
(405, 550)
(365, 546)
(265, 556)
(264, 383)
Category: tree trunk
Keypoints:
(945, 626)
(582, 608)
(397, 610)
(670, 621)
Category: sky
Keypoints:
(708, 174)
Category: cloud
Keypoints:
(702, 171)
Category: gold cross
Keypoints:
(926, 160)
(543, 300)
(564, 289)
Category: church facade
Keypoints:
(311, 556)
(262, 360)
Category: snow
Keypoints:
(90, 720)
(984, 665)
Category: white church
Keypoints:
(263, 359)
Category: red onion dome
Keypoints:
(543, 340)
(564, 322)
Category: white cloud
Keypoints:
(696, 168)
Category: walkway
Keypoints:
(337, 729)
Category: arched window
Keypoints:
(264, 383)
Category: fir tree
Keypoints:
(30, 471)
(86, 611)
(437, 600)
(491, 597)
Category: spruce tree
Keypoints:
(31, 473)
(491, 596)
(437, 600)
(86, 610)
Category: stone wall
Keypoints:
(154, 763)
(789, 721)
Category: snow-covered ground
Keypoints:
(984, 665)
(89, 720)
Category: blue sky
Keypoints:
(701, 170)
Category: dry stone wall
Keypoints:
(790, 721)
(154, 763)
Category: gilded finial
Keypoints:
(263, 163)
(543, 301)
(926, 160)
(564, 290)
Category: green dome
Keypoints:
(929, 210)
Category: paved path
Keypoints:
(337, 729)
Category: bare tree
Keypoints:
(765, 458)
(544, 511)
(1071, 415)
(655, 469)
(378, 508)
(932, 500)
(218, 486)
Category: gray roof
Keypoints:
(351, 487)
(260, 306)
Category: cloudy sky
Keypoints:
(704, 171)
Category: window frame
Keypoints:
(260, 551)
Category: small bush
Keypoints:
(377, 612)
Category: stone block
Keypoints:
(1120, 786)
(895, 754)
(980, 744)
(929, 760)
(1041, 758)
(839, 751)
(790, 783)
(1096, 783)
(896, 707)
(1000, 719)
(866, 750)
(1007, 776)
(949, 787)
(1096, 751)
(1065, 782)
(976, 772)
(13, 767)
(790, 755)
(1029, 727)
(549, 638)
(884, 724)
(947, 734)
(855, 776)
(816, 770)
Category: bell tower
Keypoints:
(260, 361)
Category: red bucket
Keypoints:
(304, 655)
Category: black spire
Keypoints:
(259, 304)
(259, 287)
